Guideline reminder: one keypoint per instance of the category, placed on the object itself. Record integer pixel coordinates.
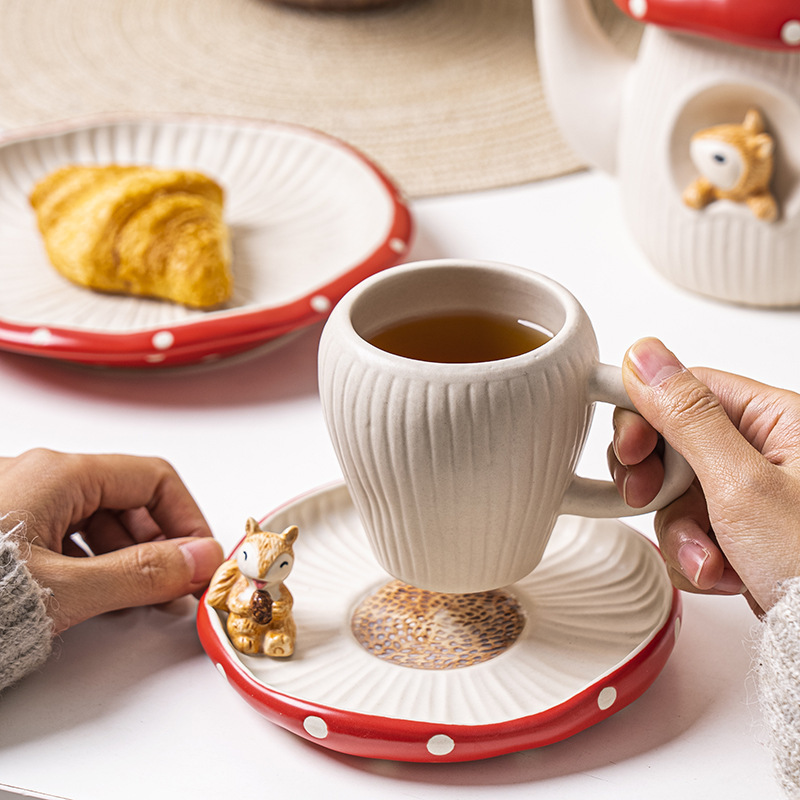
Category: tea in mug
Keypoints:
(460, 338)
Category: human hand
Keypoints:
(151, 541)
(737, 528)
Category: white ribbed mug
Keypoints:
(459, 471)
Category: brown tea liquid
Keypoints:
(460, 338)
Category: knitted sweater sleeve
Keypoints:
(25, 629)
(777, 670)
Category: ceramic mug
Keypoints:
(459, 470)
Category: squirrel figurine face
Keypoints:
(735, 163)
(249, 586)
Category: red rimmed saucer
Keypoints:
(601, 619)
(309, 215)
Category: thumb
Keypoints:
(142, 574)
(684, 410)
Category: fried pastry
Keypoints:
(137, 230)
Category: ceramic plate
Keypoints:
(309, 216)
(601, 619)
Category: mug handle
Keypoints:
(588, 497)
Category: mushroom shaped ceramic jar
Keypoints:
(701, 128)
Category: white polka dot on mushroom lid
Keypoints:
(638, 8)
(790, 32)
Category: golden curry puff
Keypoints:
(137, 230)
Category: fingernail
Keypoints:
(625, 486)
(203, 557)
(652, 361)
(615, 444)
(692, 558)
(620, 475)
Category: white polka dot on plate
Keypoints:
(316, 727)
(440, 745)
(42, 336)
(607, 698)
(163, 340)
(320, 303)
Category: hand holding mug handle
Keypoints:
(588, 497)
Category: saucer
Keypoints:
(601, 618)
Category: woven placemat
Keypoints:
(443, 94)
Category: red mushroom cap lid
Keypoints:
(766, 24)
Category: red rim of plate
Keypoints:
(372, 736)
(221, 333)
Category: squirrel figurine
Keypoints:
(735, 163)
(249, 586)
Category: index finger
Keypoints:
(121, 483)
(59, 490)
(634, 438)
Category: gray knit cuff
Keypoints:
(26, 631)
(778, 675)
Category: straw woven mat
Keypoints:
(443, 94)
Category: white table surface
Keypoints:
(130, 706)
